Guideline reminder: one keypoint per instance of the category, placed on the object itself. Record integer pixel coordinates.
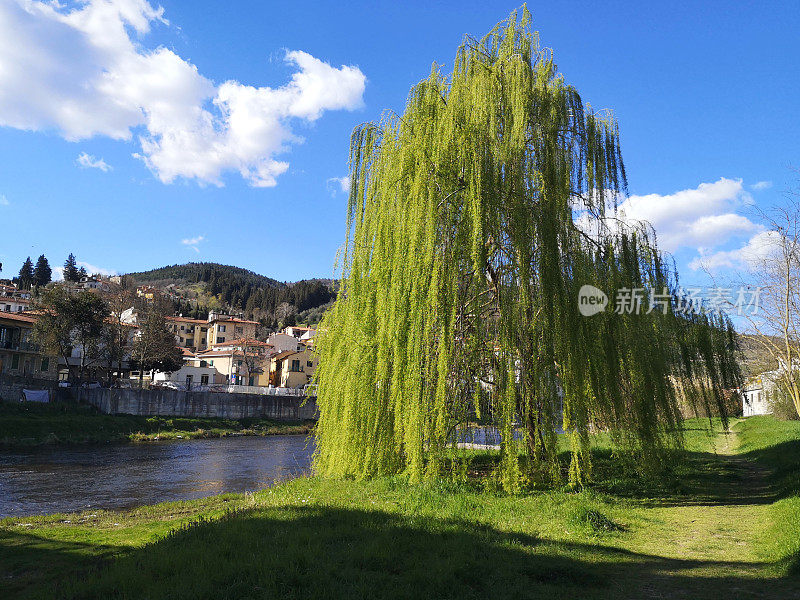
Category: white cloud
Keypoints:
(343, 183)
(748, 257)
(703, 217)
(81, 73)
(95, 270)
(58, 272)
(3, 200)
(87, 161)
(761, 185)
(194, 242)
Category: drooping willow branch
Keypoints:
(460, 278)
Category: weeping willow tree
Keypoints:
(465, 252)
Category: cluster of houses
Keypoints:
(221, 351)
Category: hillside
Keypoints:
(754, 357)
(198, 287)
(203, 271)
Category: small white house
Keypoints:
(756, 393)
(187, 375)
(283, 342)
(301, 333)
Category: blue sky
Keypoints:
(706, 95)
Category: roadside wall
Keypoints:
(175, 403)
(11, 386)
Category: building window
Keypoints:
(295, 368)
(238, 329)
(15, 361)
(203, 379)
(222, 328)
(203, 363)
(211, 363)
(309, 363)
(45, 364)
(220, 340)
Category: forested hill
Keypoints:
(205, 272)
(211, 285)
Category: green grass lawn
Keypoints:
(724, 522)
(28, 424)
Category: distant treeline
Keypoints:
(254, 294)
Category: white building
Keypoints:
(14, 304)
(302, 333)
(756, 394)
(283, 342)
(188, 376)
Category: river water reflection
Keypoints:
(53, 479)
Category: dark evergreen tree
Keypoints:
(82, 273)
(42, 273)
(25, 280)
(71, 269)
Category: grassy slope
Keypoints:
(33, 424)
(706, 531)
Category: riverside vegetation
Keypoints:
(722, 521)
(29, 424)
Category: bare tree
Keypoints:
(775, 263)
(154, 348)
(118, 333)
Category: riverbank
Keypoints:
(31, 424)
(724, 523)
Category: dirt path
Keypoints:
(712, 548)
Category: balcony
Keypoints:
(19, 346)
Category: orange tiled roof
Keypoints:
(25, 317)
(244, 342)
(187, 320)
(234, 321)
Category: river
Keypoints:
(56, 479)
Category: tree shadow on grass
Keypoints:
(690, 479)
(29, 562)
(313, 552)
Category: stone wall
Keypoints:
(175, 403)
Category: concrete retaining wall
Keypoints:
(11, 386)
(176, 403)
